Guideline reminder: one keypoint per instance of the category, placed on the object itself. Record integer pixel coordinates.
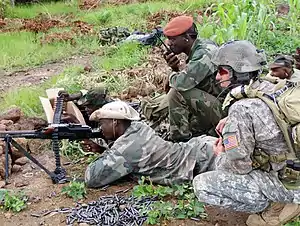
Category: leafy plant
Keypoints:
(75, 190)
(92, 158)
(145, 190)
(294, 223)
(72, 150)
(159, 210)
(186, 205)
(3, 7)
(12, 201)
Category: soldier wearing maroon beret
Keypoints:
(193, 106)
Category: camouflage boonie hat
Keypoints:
(282, 61)
(95, 97)
(242, 56)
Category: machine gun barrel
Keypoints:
(64, 131)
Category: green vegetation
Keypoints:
(23, 49)
(235, 19)
(73, 151)
(256, 21)
(15, 202)
(75, 190)
(185, 206)
(28, 97)
(75, 78)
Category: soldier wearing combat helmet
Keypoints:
(252, 152)
(193, 107)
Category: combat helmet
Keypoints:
(242, 57)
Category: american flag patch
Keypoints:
(230, 142)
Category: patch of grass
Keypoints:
(73, 150)
(132, 16)
(50, 8)
(191, 5)
(293, 223)
(23, 49)
(27, 98)
(75, 190)
(255, 21)
(185, 206)
(12, 201)
(123, 56)
(74, 79)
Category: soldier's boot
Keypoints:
(276, 215)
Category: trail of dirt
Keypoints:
(39, 74)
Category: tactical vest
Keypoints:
(284, 103)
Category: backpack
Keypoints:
(284, 103)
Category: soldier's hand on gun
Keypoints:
(90, 146)
(69, 118)
(172, 60)
(218, 147)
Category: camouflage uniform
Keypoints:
(251, 133)
(295, 76)
(236, 184)
(193, 94)
(140, 152)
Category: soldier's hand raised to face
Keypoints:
(172, 60)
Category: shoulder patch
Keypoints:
(230, 142)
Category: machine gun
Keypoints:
(55, 131)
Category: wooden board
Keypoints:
(73, 109)
(47, 104)
(47, 109)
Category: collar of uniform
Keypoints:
(193, 49)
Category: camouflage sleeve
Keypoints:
(238, 141)
(199, 67)
(109, 167)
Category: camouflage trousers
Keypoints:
(192, 113)
(251, 193)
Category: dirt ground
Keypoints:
(44, 195)
(39, 74)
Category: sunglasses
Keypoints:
(222, 70)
